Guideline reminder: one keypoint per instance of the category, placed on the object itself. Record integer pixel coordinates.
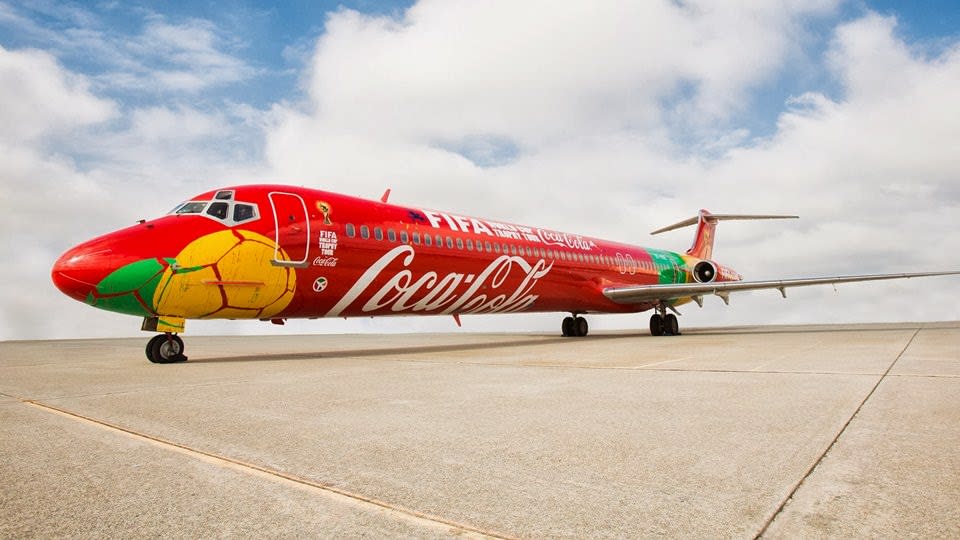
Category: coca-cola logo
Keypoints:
(563, 239)
(433, 293)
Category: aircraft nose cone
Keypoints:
(77, 272)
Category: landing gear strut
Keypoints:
(663, 323)
(575, 326)
(165, 349)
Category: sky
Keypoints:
(607, 119)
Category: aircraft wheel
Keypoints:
(150, 345)
(581, 327)
(671, 326)
(568, 326)
(656, 325)
(166, 350)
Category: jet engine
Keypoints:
(705, 272)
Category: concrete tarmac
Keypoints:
(828, 431)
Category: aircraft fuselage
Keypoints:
(278, 252)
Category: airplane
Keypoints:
(276, 252)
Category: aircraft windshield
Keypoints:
(222, 208)
(192, 207)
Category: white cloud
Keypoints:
(187, 56)
(39, 99)
(542, 71)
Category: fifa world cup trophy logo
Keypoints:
(326, 210)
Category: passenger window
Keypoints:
(416, 238)
(529, 252)
(391, 235)
(219, 210)
(439, 241)
(364, 232)
(469, 244)
(459, 243)
(449, 243)
(378, 233)
(513, 249)
(404, 238)
(496, 247)
(351, 230)
(488, 247)
(243, 212)
(428, 240)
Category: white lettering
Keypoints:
(433, 218)
(462, 221)
(563, 239)
(479, 227)
(325, 261)
(402, 292)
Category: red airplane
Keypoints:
(274, 252)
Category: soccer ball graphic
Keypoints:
(130, 288)
(226, 275)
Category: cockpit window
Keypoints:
(222, 208)
(244, 212)
(192, 207)
(218, 209)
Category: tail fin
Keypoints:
(702, 247)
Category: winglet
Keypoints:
(706, 225)
(385, 196)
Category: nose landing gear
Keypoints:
(165, 348)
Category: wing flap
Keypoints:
(638, 294)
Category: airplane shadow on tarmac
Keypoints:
(533, 340)
(523, 341)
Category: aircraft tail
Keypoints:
(706, 222)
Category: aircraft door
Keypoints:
(292, 224)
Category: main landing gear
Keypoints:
(663, 323)
(575, 326)
(165, 349)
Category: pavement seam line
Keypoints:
(833, 443)
(401, 512)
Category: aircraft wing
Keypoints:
(638, 294)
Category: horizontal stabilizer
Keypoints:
(718, 217)
(706, 223)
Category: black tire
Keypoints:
(568, 327)
(581, 327)
(656, 325)
(167, 350)
(150, 346)
(671, 326)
